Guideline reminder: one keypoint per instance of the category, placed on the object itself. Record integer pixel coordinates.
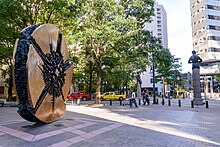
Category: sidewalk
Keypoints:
(117, 126)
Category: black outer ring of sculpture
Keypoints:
(20, 74)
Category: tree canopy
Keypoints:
(18, 14)
(105, 36)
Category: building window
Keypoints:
(213, 17)
(214, 49)
(2, 88)
(213, 7)
(216, 38)
(214, 27)
(156, 80)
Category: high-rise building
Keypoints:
(158, 28)
(205, 21)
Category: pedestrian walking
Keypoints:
(147, 100)
(133, 101)
(144, 97)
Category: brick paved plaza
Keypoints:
(117, 126)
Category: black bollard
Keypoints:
(130, 102)
(192, 105)
(207, 104)
(139, 101)
(157, 101)
(169, 104)
(163, 102)
(120, 101)
(179, 103)
(110, 102)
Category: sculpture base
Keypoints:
(198, 101)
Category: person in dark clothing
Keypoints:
(147, 100)
(144, 97)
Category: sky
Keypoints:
(179, 30)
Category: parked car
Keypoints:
(112, 96)
(76, 95)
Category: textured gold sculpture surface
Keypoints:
(47, 70)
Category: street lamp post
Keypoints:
(205, 87)
(154, 92)
(164, 89)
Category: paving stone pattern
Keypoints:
(117, 126)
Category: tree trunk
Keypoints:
(98, 82)
(90, 80)
(126, 86)
(10, 88)
(10, 85)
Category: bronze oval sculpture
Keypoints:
(42, 73)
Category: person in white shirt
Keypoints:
(133, 96)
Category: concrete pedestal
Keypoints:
(196, 88)
(139, 91)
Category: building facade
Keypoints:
(158, 28)
(3, 88)
(205, 21)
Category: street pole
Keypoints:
(164, 92)
(205, 87)
(154, 94)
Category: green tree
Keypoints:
(104, 23)
(18, 14)
(165, 62)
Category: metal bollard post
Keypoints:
(157, 101)
(163, 102)
(139, 101)
(169, 104)
(207, 104)
(120, 102)
(110, 102)
(179, 103)
(192, 105)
